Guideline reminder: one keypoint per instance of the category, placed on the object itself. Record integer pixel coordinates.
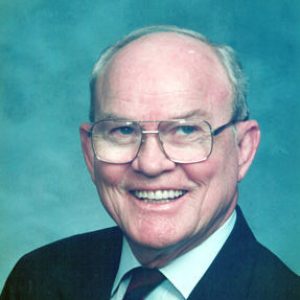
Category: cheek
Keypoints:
(109, 181)
(218, 174)
(109, 174)
(201, 173)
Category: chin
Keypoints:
(159, 237)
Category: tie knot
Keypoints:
(142, 282)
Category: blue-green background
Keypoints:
(47, 51)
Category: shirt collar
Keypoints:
(182, 272)
(127, 262)
(187, 270)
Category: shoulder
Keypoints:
(100, 241)
(75, 265)
(271, 274)
(261, 260)
(266, 274)
(244, 269)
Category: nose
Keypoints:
(151, 159)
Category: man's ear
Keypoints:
(87, 148)
(248, 138)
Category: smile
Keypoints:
(158, 195)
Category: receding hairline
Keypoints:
(225, 55)
(109, 54)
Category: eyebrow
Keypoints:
(193, 113)
(188, 115)
(112, 116)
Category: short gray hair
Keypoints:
(225, 54)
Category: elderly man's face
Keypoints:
(162, 77)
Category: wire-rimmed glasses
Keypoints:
(182, 140)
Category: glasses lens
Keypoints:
(186, 141)
(183, 141)
(116, 141)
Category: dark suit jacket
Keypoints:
(84, 267)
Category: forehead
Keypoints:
(163, 71)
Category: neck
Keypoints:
(159, 257)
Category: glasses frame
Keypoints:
(213, 133)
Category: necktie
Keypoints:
(142, 282)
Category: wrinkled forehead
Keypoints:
(163, 63)
(164, 43)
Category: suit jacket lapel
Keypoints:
(106, 263)
(111, 267)
(229, 275)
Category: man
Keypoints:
(168, 142)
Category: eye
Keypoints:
(124, 130)
(186, 129)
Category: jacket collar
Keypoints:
(235, 261)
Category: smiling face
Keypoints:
(165, 208)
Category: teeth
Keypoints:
(159, 195)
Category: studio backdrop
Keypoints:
(47, 51)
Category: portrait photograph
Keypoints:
(149, 149)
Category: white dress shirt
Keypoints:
(182, 274)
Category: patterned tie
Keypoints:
(142, 282)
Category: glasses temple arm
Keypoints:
(230, 123)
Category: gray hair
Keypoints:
(225, 54)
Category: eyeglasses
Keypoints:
(182, 141)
